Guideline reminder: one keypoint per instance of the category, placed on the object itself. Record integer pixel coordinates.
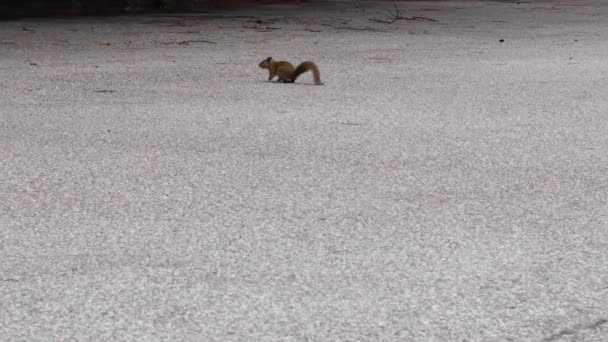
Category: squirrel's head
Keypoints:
(265, 64)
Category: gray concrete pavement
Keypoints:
(441, 186)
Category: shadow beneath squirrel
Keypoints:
(292, 83)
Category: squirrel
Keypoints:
(287, 72)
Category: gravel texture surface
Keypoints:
(442, 185)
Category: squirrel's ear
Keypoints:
(269, 59)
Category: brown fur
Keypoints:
(287, 72)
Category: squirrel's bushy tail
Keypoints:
(304, 67)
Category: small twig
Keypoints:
(400, 18)
(104, 91)
(367, 28)
(383, 21)
(186, 42)
(197, 41)
(186, 32)
(261, 28)
(311, 30)
(421, 18)
(229, 17)
(397, 16)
